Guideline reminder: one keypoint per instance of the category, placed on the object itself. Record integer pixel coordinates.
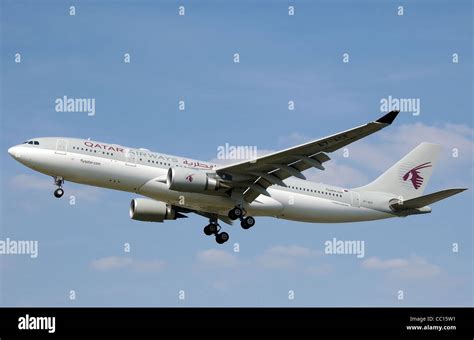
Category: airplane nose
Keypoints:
(13, 151)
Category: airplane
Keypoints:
(271, 185)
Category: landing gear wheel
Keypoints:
(232, 215)
(210, 229)
(58, 193)
(235, 213)
(222, 237)
(247, 222)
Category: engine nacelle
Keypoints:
(142, 209)
(189, 180)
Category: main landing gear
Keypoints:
(239, 213)
(59, 192)
(213, 228)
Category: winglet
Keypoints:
(389, 117)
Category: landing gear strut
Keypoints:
(213, 228)
(59, 192)
(238, 213)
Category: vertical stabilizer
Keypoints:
(410, 175)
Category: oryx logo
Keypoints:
(414, 175)
(190, 178)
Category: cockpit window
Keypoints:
(36, 142)
(32, 142)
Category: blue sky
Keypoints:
(190, 58)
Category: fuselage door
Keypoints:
(355, 199)
(61, 146)
(130, 157)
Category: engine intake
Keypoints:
(142, 209)
(189, 180)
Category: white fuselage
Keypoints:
(142, 171)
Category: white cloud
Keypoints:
(117, 262)
(286, 257)
(337, 173)
(376, 263)
(371, 156)
(397, 141)
(112, 262)
(414, 267)
(291, 257)
(216, 258)
(319, 270)
(229, 270)
(447, 134)
(290, 251)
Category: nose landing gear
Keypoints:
(59, 192)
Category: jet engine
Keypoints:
(189, 180)
(142, 209)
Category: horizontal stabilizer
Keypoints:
(422, 201)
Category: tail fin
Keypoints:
(410, 175)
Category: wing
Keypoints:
(253, 177)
